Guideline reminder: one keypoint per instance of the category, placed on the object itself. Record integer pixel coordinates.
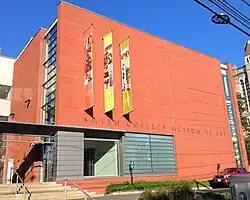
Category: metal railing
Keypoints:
(35, 166)
(25, 189)
(87, 196)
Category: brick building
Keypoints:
(111, 94)
(241, 78)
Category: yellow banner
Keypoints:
(126, 78)
(109, 100)
(107, 40)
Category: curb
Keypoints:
(201, 188)
(126, 193)
(118, 194)
(139, 192)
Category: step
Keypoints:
(35, 184)
(47, 196)
(94, 187)
(31, 186)
(43, 191)
(53, 189)
(69, 193)
(58, 194)
(97, 190)
(35, 190)
(12, 197)
(43, 186)
(98, 187)
(44, 198)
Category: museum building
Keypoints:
(109, 94)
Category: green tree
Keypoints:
(244, 122)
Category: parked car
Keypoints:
(221, 179)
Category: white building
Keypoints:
(6, 76)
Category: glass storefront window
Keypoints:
(101, 158)
(151, 153)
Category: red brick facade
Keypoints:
(175, 91)
(27, 84)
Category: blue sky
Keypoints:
(181, 21)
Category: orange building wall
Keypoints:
(27, 83)
(175, 91)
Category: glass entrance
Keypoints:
(100, 158)
(89, 161)
(48, 163)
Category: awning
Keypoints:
(22, 128)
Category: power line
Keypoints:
(247, 19)
(215, 13)
(246, 2)
(222, 7)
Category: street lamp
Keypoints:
(220, 18)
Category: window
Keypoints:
(50, 97)
(50, 82)
(231, 116)
(244, 92)
(4, 91)
(243, 170)
(226, 86)
(150, 153)
(50, 76)
(4, 118)
(51, 89)
(51, 73)
(52, 52)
